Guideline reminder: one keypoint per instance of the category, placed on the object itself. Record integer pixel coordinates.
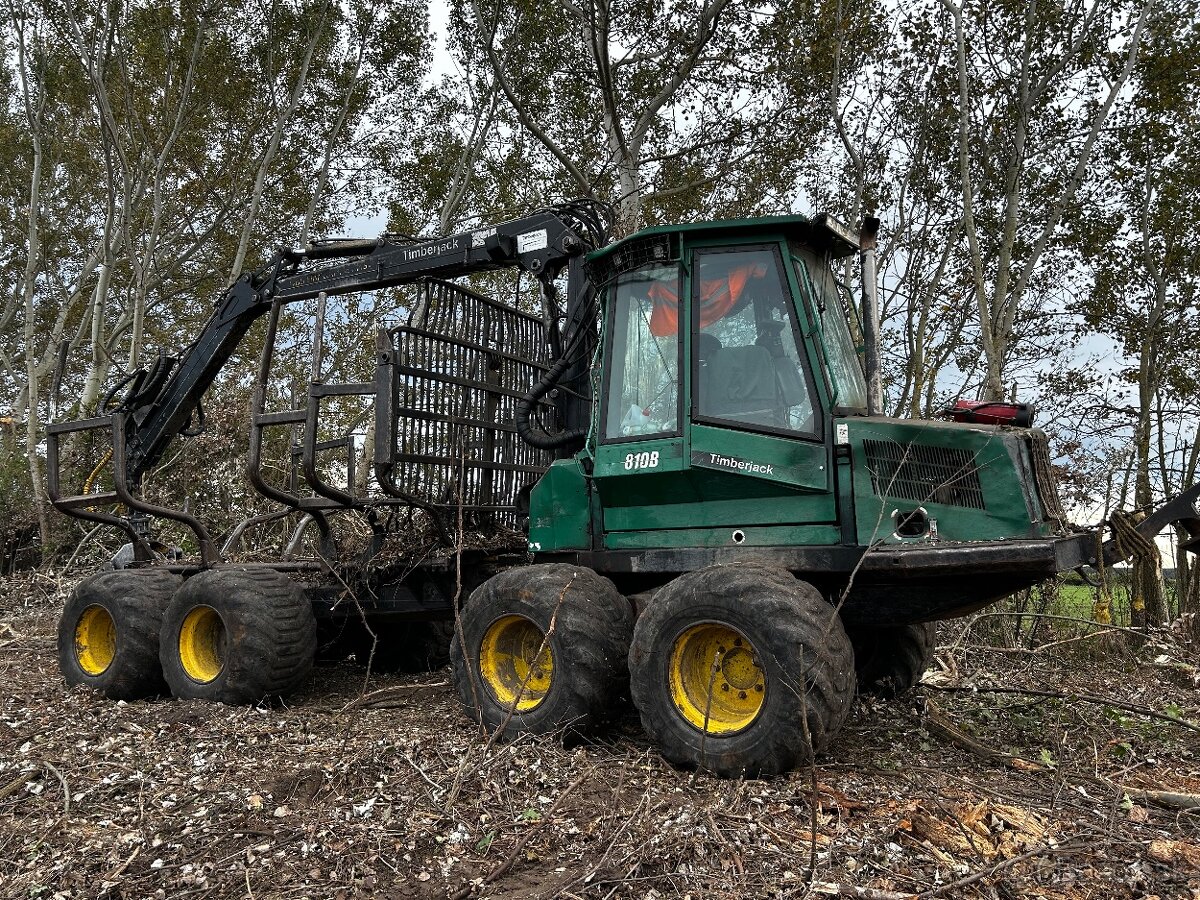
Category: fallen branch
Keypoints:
(849, 890)
(17, 783)
(938, 723)
(998, 868)
(1165, 799)
(116, 873)
(829, 889)
(1063, 695)
(377, 699)
(66, 789)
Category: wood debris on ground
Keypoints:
(186, 799)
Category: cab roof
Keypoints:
(822, 232)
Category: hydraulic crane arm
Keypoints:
(161, 402)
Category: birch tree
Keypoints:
(666, 110)
(1146, 269)
(144, 175)
(1036, 84)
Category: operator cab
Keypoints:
(727, 352)
(749, 368)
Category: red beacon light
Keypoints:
(990, 412)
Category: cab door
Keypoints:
(640, 462)
(759, 417)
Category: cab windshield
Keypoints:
(829, 303)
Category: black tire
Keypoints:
(798, 688)
(890, 661)
(588, 645)
(251, 636)
(119, 615)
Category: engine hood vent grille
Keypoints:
(924, 474)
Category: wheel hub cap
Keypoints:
(95, 640)
(511, 666)
(716, 681)
(202, 644)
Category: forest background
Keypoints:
(1035, 164)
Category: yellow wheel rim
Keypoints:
(716, 681)
(202, 644)
(511, 666)
(95, 640)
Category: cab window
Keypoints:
(817, 281)
(643, 369)
(749, 369)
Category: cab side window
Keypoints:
(749, 369)
(643, 375)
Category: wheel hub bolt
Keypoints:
(724, 687)
(741, 695)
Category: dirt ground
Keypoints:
(381, 787)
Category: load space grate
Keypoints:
(924, 474)
(458, 369)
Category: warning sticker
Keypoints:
(532, 240)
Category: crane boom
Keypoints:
(163, 401)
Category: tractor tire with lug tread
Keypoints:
(741, 670)
(574, 683)
(238, 636)
(108, 633)
(890, 661)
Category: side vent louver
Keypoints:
(924, 474)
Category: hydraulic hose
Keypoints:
(149, 388)
(105, 406)
(532, 434)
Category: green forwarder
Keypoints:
(680, 479)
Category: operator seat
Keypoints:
(737, 382)
(749, 384)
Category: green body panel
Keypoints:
(770, 536)
(560, 509)
(999, 460)
(615, 459)
(726, 480)
(714, 485)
